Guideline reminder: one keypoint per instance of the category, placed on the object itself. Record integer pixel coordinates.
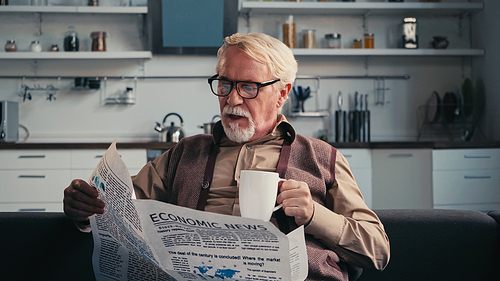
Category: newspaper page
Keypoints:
(152, 240)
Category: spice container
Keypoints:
(93, 2)
(309, 38)
(54, 48)
(333, 41)
(369, 41)
(10, 46)
(357, 44)
(35, 46)
(289, 33)
(71, 42)
(98, 41)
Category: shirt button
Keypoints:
(205, 185)
(249, 147)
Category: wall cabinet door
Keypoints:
(402, 178)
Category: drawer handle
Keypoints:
(32, 210)
(31, 156)
(347, 155)
(477, 177)
(31, 176)
(99, 156)
(477, 156)
(404, 155)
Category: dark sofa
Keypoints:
(425, 245)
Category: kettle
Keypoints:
(208, 127)
(172, 133)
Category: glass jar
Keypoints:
(98, 41)
(357, 44)
(410, 37)
(333, 41)
(309, 38)
(289, 33)
(35, 46)
(369, 41)
(71, 42)
(93, 2)
(10, 46)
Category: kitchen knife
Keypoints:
(361, 120)
(355, 123)
(338, 117)
(367, 119)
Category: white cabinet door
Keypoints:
(361, 167)
(402, 178)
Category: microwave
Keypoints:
(9, 121)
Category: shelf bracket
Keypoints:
(38, 18)
(247, 19)
(365, 17)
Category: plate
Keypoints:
(450, 106)
(468, 97)
(433, 107)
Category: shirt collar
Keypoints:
(282, 129)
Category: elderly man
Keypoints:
(254, 76)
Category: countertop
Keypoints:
(167, 145)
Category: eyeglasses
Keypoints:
(246, 89)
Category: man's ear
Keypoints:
(285, 90)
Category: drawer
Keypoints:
(33, 186)
(31, 207)
(466, 187)
(34, 159)
(357, 158)
(465, 159)
(85, 174)
(89, 158)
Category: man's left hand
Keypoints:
(297, 201)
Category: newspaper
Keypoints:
(151, 240)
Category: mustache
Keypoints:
(229, 110)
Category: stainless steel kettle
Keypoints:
(172, 133)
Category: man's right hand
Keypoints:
(80, 201)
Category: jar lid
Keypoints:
(368, 34)
(11, 41)
(332, 35)
(98, 34)
(357, 40)
(35, 42)
(409, 20)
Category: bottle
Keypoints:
(333, 41)
(35, 46)
(369, 41)
(410, 37)
(10, 46)
(289, 33)
(71, 42)
(98, 41)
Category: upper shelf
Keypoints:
(388, 52)
(345, 8)
(77, 55)
(74, 9)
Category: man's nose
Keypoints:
(234, 98)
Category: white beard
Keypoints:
(232, 130)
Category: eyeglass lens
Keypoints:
(245, 89)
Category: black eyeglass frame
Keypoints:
(235, 84)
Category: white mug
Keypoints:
(257, 194)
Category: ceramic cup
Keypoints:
(257, 194)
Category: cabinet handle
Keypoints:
(99, 156)
(32, 210)
(402, 155)
(31, 176)
(347, 155)
(31, 156)
(477, 156)
(477, 177)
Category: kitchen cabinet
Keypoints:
(366, 9)
(466, 179)
(34, 180)
(402, 178)
(360, 163)
(48, 12)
